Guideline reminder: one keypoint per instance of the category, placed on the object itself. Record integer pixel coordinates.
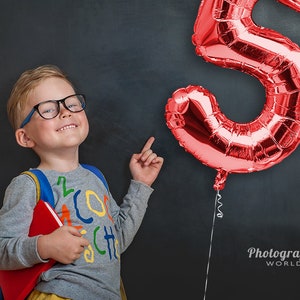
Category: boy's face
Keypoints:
(66, 130)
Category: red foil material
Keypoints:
(226, 35)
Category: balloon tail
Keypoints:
(220, 180)
(219, 214)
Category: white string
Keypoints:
(219, 214)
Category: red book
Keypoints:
(17, 284)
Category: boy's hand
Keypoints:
(145, 166)
(64, 245)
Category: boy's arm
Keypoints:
(129, 216)
(144, 167)
(17, 249)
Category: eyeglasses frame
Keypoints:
(36, 108)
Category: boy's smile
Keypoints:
(67, 127)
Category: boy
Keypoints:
(48, 117)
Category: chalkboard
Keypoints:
(128, 57)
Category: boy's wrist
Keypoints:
(42, 248)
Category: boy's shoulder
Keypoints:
(97, 172)
(43, 187)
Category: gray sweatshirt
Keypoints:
(81, 200)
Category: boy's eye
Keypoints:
(48, 111)
(72, 105)
(48, 108)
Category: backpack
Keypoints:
(44, 191)
(43, 187)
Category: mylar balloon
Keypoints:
(225, 35)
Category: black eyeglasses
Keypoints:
(50, 109)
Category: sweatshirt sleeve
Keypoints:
(17, 249)
(130, 214)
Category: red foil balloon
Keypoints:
(225, 35)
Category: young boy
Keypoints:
(48, 116)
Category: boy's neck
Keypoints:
(59, 168)
(60, 164)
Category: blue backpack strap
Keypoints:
(43, 187)
(98, 173)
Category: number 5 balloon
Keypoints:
(225, 35)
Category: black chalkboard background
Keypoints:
(128, 57)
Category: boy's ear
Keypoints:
(23, 139)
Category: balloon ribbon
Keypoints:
(219, 214)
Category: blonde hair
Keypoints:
(24, 85)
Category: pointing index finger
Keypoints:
(148, 144)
